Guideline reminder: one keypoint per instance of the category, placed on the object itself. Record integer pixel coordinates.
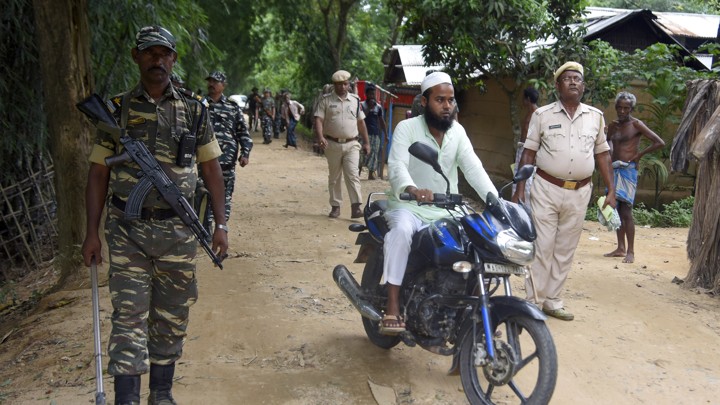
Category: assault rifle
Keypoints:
(151, 174)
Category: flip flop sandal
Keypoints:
(391, 330)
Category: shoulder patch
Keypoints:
(594, 109)
(116, 101)
(544, 108)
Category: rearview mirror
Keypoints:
(524, 173)
(426, 154)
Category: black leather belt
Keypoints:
(343, 140)
(566, 184)
(227, 167)
(157, 214)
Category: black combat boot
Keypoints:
(161, 380)
(127, 390)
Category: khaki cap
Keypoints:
(340, 76)
(569, 66)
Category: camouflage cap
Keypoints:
(217, 75)
(154, 35)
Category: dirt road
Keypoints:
(272, 328)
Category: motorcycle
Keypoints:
(500, 344)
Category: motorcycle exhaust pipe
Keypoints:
(351, 289)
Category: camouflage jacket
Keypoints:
(230, 130)
(268, 107)
(160, 125)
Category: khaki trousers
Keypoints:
(343, 159)
(559, 215)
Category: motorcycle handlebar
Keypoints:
(439, 199)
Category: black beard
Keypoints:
(437, 122)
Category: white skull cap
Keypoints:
(433, 79)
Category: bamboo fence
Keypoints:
(28, 225)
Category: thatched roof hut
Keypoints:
(698, 137)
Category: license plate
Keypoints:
(496, 268)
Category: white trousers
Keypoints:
(343, 161)
(403, 225)
(559, 215)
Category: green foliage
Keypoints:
(492, 37)
(677, 214)
(114, 25)
(22, 119)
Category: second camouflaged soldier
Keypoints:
(152, 268)
(267, 115)
(231, 132)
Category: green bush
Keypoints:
(677, 214)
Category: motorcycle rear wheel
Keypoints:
(377, 294)
(527, 364)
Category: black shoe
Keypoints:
(161, 380)
(127, 389)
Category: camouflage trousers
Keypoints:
(229, 180)
(267, 127)
(152, 286)
(372, 159)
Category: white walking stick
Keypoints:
(99, 393)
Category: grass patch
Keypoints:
(677, 214)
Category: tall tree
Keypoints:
(491, 40)
(63, 41)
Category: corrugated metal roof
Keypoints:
(676, 24)
(689, 25)
(412, 63)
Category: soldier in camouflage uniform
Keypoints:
(230, 131)
(152, 272)
(267, 112)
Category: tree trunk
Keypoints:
(63, 38)
(703, 245)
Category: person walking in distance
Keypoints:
(375, 125)
(624, 136)
(152, 272)
(564, 140)
(339, 123)
(254, 102)
(231, 133)
(293, 111)
(267, 114)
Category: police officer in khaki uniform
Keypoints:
(565, 139)
(152, 272)
(339, 124)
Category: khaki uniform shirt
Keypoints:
(566, 147)
(340, 115)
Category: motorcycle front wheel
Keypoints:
(525, 367)
(377, 295)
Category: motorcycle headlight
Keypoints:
(514, 248)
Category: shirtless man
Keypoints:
(624, 135)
